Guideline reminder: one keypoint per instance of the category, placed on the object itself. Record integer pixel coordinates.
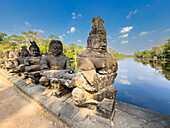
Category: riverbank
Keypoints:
(126, 115)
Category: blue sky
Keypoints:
(130, 24)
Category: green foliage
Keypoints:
(157, 53)
(116, 55)
(2, 36)
(53, 37)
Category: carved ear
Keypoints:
(102, 20)
(93, 19)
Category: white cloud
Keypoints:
(147, 5)
(73, 29)
(143, 33)
(124, 42)
(41, 31)
(123, 76)
(126, 29)
(79, 15)
(131, 13)
(167, 30)
(64, 35)
(123, 81)
(27, 23)
(79, 41)
(133, 37)
(123, 70)
(61, 38)
(140, 77)
(74, 15)
(123, 36)
(109, 36)
(113, 41)
(150, 40)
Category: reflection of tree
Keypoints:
(166, 70)
(163, 68)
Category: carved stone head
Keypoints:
(24, 51)
(55, 48)
(97, 37)
(34, 49)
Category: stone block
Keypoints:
(106, 108)
(111, 92)
(68, 112)
(95, 122)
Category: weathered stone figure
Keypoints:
(19, 61)
(56, 69)
(13, 54)
(32, 63)
(99, 68)
(55, 59)
(1, 60)
(5, 59)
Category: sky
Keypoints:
(130, 25)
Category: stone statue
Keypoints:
(19, 61)
(55, 59)
(99, 68)
(56, 69)
(5, 59)
(13, 54)
(1, 60)
(32, 63)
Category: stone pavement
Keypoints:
(126, 115)
(17, 112)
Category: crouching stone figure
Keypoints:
(93, 85)
(19, 66)
(56, 70)
(32, 63)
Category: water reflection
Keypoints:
(144, 84)
(162, 67)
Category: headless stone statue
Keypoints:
(56, 69)
(13, 54)
(1, 60)
(93, 85)
(19, 61)
(5, 59)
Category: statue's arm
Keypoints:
(88, 69)
(26, 61)
(68, 64)
(16, 62)
(44, 63)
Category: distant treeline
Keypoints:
(161, 53)
(72, 50)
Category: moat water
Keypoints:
(144, 85)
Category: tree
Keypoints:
(2, 36)
(30, 36)
(53, 37)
